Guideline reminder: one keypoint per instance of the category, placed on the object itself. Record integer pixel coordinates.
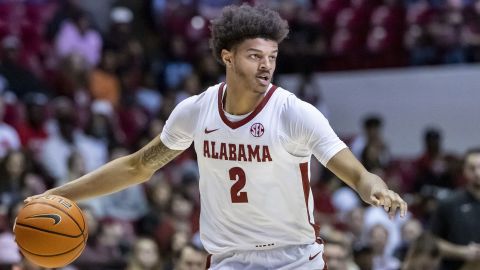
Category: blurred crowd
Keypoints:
(84, 82)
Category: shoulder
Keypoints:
(196, 102)
(293, 108)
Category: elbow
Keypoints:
(139, 171)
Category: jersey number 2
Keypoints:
(238, 175)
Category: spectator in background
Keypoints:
(128, 49)
(471, 32)
(13, 172)
(371, 137)
(456, 221)
(128, 205)
(65, 139)
(72, 79)
(309, 91)
(145, 255)
(178, 220)
(148, 95)
(77, 37)
(177, 66)
(120, 32)
(9, 253)
(159, 193)
(66, 10)
(378, 241)
(209, 70)
(18, 79)
(355, 227)
(190, 257)
(433, 165)
(33, 131)
(337, 257)
(9, 139)
(99, 11)
(104, 83)
(191, 86)
(101, 252)
(450, 37)
(423, 254)
(363, 257)
(102, 124)
(411, 230)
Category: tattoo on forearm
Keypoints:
(158, 155)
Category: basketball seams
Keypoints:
(58, 208)
(52, 255)
(84, 224)
(47, 231)
(83, 220)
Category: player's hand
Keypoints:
(31, 198)
(390, 200)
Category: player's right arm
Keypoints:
(118, 174)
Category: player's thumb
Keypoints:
(31, 198)
(374, 200)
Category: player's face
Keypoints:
(254, 62)
(336, 256)
(191, 260)
(472, 170)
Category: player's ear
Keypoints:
(227, 57)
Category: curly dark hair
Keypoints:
(238, 23)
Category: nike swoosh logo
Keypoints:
(56, 218)
(210, 131)
(313, 257)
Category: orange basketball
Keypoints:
(51, 231)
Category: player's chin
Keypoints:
(261, 88)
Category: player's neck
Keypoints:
(238, 101)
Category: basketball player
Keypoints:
(254, 141)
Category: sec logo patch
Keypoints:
(257, 130)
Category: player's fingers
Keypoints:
(387, 200)
(380, 196)
(403, 207)
(374, 201)
(397, 204)
(31, 198)
(393, 209)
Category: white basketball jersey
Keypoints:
(254, 193)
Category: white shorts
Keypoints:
(302, 257)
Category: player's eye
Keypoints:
(273, 57)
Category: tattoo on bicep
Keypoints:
(158, 155)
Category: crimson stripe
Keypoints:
(209, 260)
(306, 193)
(305, 182)
(235, 125)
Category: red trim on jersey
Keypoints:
(235, 125)
(209, 261)
(306, 193)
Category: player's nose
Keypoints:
(265, 64)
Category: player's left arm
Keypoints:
(371, 188)
(307, 126)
